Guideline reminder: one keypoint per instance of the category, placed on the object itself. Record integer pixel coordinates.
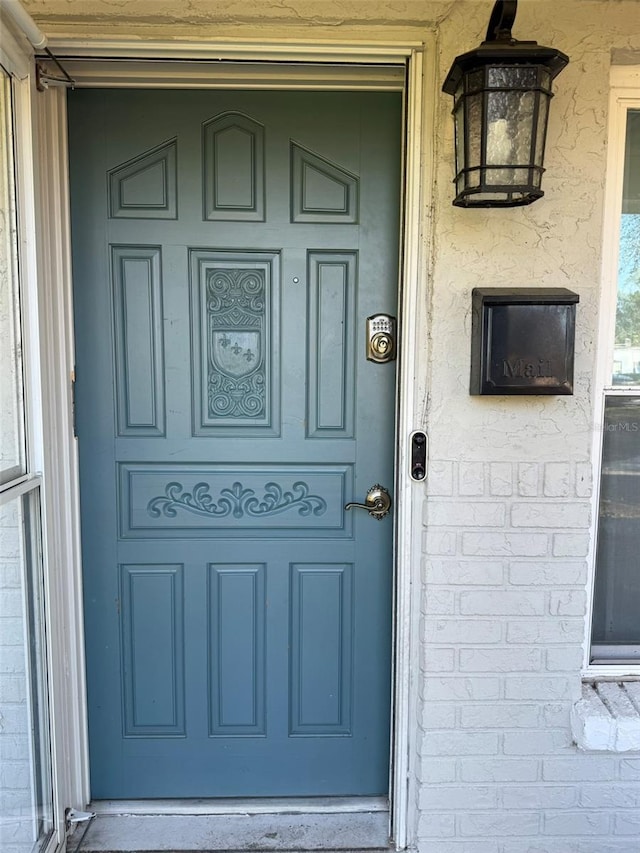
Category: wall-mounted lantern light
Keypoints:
(501, 92)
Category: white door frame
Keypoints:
(340, 60)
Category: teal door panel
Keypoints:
(227, 250)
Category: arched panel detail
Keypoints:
(233, 168)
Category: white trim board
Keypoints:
(134, 73)
(57, 344)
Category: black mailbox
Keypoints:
(522, 340)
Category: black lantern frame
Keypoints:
(501, 93)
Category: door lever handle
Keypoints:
(377, 502)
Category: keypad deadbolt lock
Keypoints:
(381, 338)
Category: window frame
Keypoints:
(16, 59)
(624, 96)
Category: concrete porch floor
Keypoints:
(350, 825)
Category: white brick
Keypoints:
(541, 688)
(627, 824)
(557, 480)
(501, 603)
(11, 574)
(14, 747)
(499, 770)
(471, 479)
(500, 660)
(10, 543)
(630, 768)
(13, 688)
(464, 572)
(542, 573)
(440, 478)
(461, 688)
(17, 802)
(460, 743)
(12, 631)
(550, 514)
(564, 659)
(610, 796)
(12, 660)
(466, 514)
(528, 479)
(436, 715)
(436, 825)
(603, 845)
(584, 480)
(498, 824)
(438, 660)
(568, 603)
(545, 631)
(14, 719)
(556, 714)
(576, 823)
(570, 544)
(438, 601)
(504, 544)
(578, 769)
(438, 771)
(461, 631)
(537, 742)
(501, 479)
(10, 603)
(14, 774)
(446, 797)
(503, 715)
(539, 797)
(440, 543)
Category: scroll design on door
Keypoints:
(236, 501)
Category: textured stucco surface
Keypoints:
(333, 13)
(507, 507)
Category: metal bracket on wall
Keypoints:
(44, 78)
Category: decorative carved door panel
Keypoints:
(228, 248)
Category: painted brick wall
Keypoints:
(16, 806)
(502, 624)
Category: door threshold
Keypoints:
(231, 806)
(259, 826)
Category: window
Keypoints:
(615, 630)
(26, 792)
(12, 451)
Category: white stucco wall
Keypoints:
(507, 510)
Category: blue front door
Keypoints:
(228, 248)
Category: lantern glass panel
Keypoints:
(510, 118)
(524, 127)
(541, 131)
(512, 76)
(460, 140)
(473, 130)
